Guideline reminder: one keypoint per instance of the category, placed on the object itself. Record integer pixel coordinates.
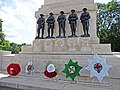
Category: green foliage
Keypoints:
(108, 24)
(15, 48)
(2, 38)
(7, 46)
(1, 25)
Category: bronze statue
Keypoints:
(73, 22)
(41, 25)
(85, 16)
(61, 22)
(50, 21)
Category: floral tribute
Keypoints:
(13, 69)
(51, 69)
(29, 68)
(98, 67)
(72, 69)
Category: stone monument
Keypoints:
(61, 50)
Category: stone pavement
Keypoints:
(23, 82)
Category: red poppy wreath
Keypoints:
(13, 69)
(51, 69)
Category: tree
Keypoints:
(1, 25)
(6, 45)
(108, 24)
(15, 48)
(2, 38)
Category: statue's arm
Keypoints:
(88, 16)
(48, 21)
(38, 21)
(53, 19)
(76, 17)
(58, 19)
(64, 18)
(69, 18)
(43, 21)
(81, 17)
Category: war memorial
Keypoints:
(66, 53)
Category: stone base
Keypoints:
(39, 82)
(81, 45)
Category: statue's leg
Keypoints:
(59, 29)
(84, 28)
(48, 30)
(71, 25)
(42, 31)
(52, 28)
(63, 28)
(74, 29)
(87, 28)
(63, 31)
(38, 31)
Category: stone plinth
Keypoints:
(82, 45)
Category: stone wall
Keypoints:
(2, 53)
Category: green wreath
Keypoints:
(72, 69)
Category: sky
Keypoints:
(19, 23)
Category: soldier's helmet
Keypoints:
(61, 12)
(72, 10)
(84, 9)
(41, 15)
(51, 13)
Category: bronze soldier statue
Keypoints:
(85, 16)
(41, 25)
(61, 22)
(73, 22)
(50, 21)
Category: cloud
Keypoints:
(102, 1)
(18, 19)
(0, 2)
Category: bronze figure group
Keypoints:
(72, 18)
